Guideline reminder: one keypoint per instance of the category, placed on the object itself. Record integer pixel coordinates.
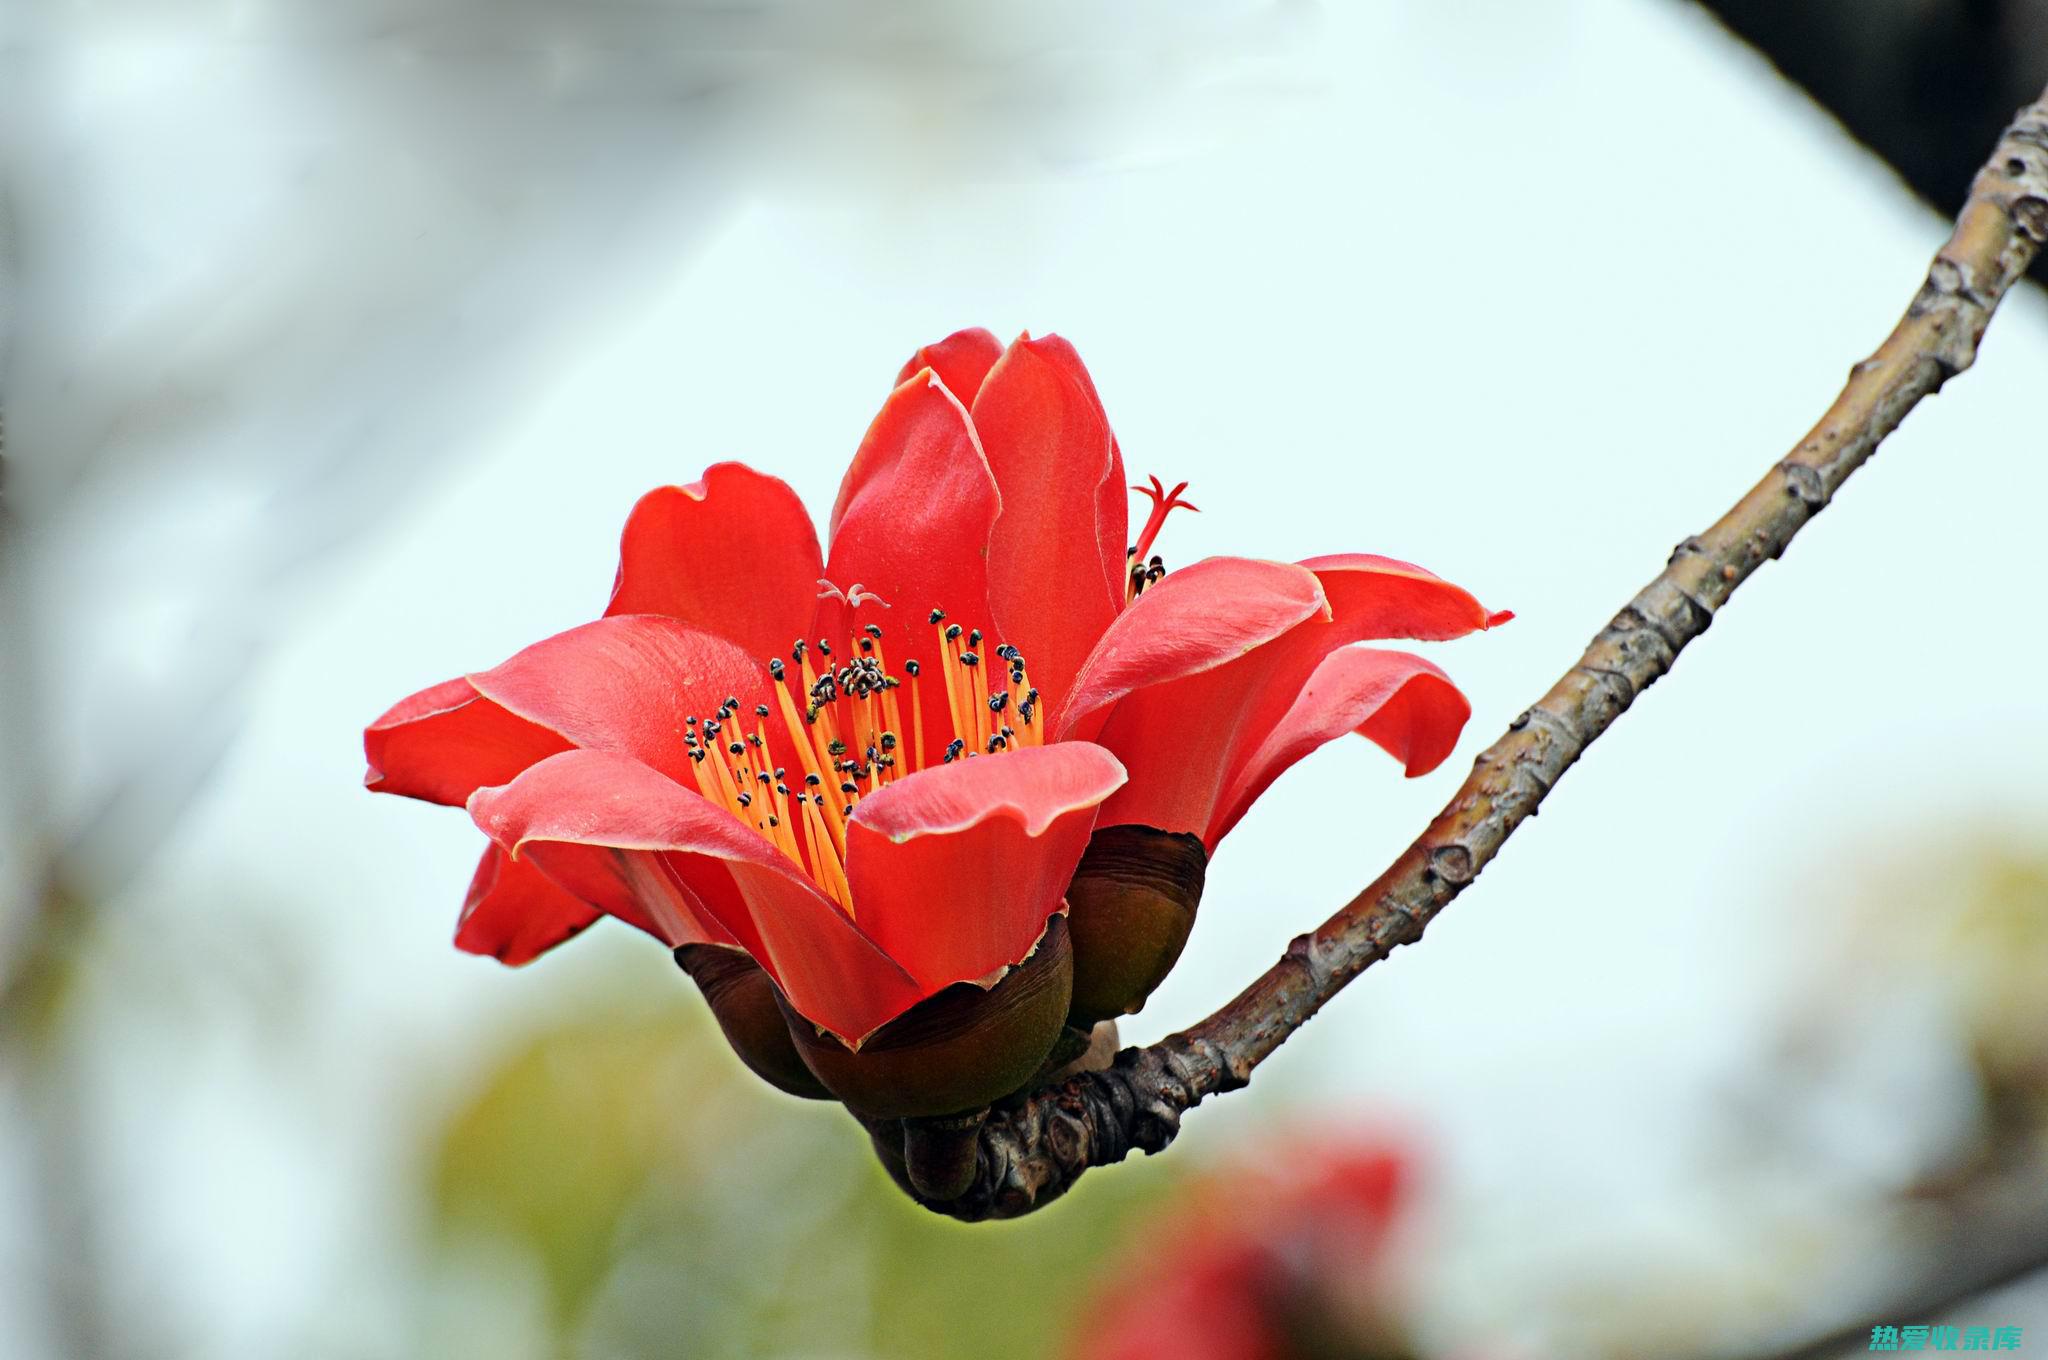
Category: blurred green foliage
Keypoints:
(675, 1205)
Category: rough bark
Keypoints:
(1035, 1146)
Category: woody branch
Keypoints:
(1036, 1146)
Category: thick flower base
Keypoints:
(955, 1051)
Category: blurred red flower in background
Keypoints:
(767, 749)
(1282, 1255)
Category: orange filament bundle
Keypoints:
(846, 725)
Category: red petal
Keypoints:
(1113, 497)
(961, 360)
(627, 684)
(1055, 574)
(915, 511)
(955, 870)
(733, 554)
(1403, 703)
(1186, 743)
(1380, 597)
(584, 815)
(915, 515)
(515, 913)
(1200, 617)
(445, 742)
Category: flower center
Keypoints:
(845, 719)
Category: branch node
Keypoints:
(1452, 864)
(1804, 483)
(1635, 619)
(2030, 216)
(1692, 545)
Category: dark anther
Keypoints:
(697, 754)
(812, 780)
(836, 747)
(952, 631)
(760, 710)
(772, 822)
(888, 741)
(782, 788)
(847, 787)
(998, 701)
(796, 653)
(738, 748)
(969, 659)
(974, 638)
(937, 615)
(873, 630)
(746, 800)
(731, 703)
(910, 668)
(775, 668)
(824, 647)
(1131, 551)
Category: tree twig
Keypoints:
(1037, 1146)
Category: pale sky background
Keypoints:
(1524, 292)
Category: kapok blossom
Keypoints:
(1286, 1254)
(874, 771)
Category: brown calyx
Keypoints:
(748, 1008)
(956, 1050)
(1130, 906)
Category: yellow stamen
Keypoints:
(722, 773)
(799, 731)
(978, 679)
(949, 660)
(706, 785)
(916, 726)
(834, 876)
(1031, 729)
(768, 794)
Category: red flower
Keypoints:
(835, 808)
(1284, 1254)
